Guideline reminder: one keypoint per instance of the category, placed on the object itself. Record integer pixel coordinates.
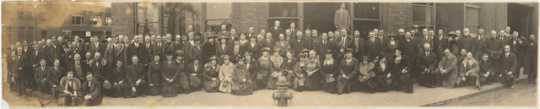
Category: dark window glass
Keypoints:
(366, 10)
(283, 10)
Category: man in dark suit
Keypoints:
(409, 48)
(136, 48)
(195, 70)
(324, 46)
(193, 49)
(134, 76)
(99, 67)
(358, 44)
(276, 29)
(372, 46)
(253, 47)
(209, 48)
(297, 45)
(346, 72)
(509, 67)
(427, 63)
(344, 41)
(40, 76)
(154, 75)
(168, 88)
(57, 71)
(91, 89)
(71, 88)
(532, 51)
(223, 47)
(95, 45)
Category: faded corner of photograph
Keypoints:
(145, 54)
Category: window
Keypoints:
(423, 14)
(366, 11)
(76, 20)
(286, 13)
(472, 13)
(283, 10)
(366, 17)
(217, 14)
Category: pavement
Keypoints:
(522, 95)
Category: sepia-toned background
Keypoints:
(31, 20)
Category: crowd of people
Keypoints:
(82, 70)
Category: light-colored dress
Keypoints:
(225, 76)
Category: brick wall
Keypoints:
(395, 16)
(245, 15)
(493, 16)
(122, 19)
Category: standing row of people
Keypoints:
(240, 63)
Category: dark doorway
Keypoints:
(320, 16)
(520, 18)
(366, 17)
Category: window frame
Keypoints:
(465, 16)
(298, 18)
(74, 20)
(433, 14)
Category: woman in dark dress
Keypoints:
(119, 82)
(313, 74)
(329, 72)
(154, 76)
(403, 81)
(241, 80)
(383, 76)
(168, 75)
(210, 75)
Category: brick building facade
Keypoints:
(366, 16)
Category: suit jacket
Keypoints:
(195, 69)
(93, 88)
(72, 85)
(193, 52)
(209, 50)
(297, 45)
(344, 42)
(134, 50)
(154, 73)
(324, 46)
(99, 68)
(223, 50)
(359, 46)
(348, 69)
(96, 47)
(449, 63)
(372, 49)
(509, 63)
(41, 74)
(55, 75)
(427, 61)
(134, 73)
(254, 49)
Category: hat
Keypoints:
(211, 36)
(348, 50)
(223, 37)
(266, 49)
(276, 49)
(305, 50)
(179, 52)
(226, 57)
(213, 58)
(247, 54)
